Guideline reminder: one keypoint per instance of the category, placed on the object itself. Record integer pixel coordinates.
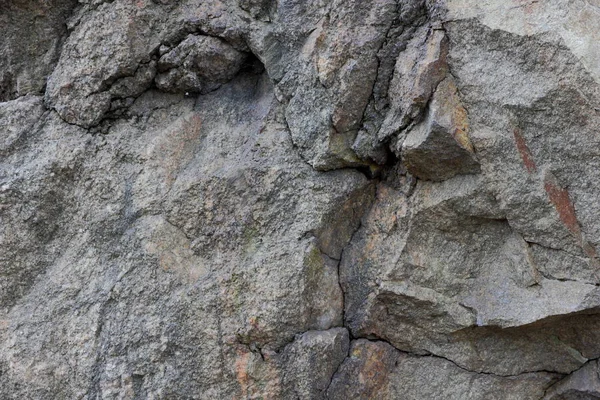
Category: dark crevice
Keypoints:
(553, 278)
(339, 264)
(252, 65)
(428, 354)
(396, 38)
(295, 146)
(337, 370)
(52, 109)
(559, 376)
(565, 376)
(531, 243)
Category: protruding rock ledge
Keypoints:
(439, 148)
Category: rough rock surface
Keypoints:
(299, 199)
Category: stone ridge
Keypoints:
(299, 199)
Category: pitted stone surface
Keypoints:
(288, 199)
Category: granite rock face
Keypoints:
(290, 199)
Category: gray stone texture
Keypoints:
(299, 199)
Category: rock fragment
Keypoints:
(199, 64)
(439, 147)
(419, 70)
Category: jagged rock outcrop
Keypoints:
(289, 199)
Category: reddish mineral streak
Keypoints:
(589, 249)
(560, 198)
(566, 211)
(241, 371)
(524, 151)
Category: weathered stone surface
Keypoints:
(377, 370)
(405, 296)
(288, 199)
(32, 35)
(311, 362)
(419, 70)
(179, 231)
(341, 63)
(365, 373)
(581, 384)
